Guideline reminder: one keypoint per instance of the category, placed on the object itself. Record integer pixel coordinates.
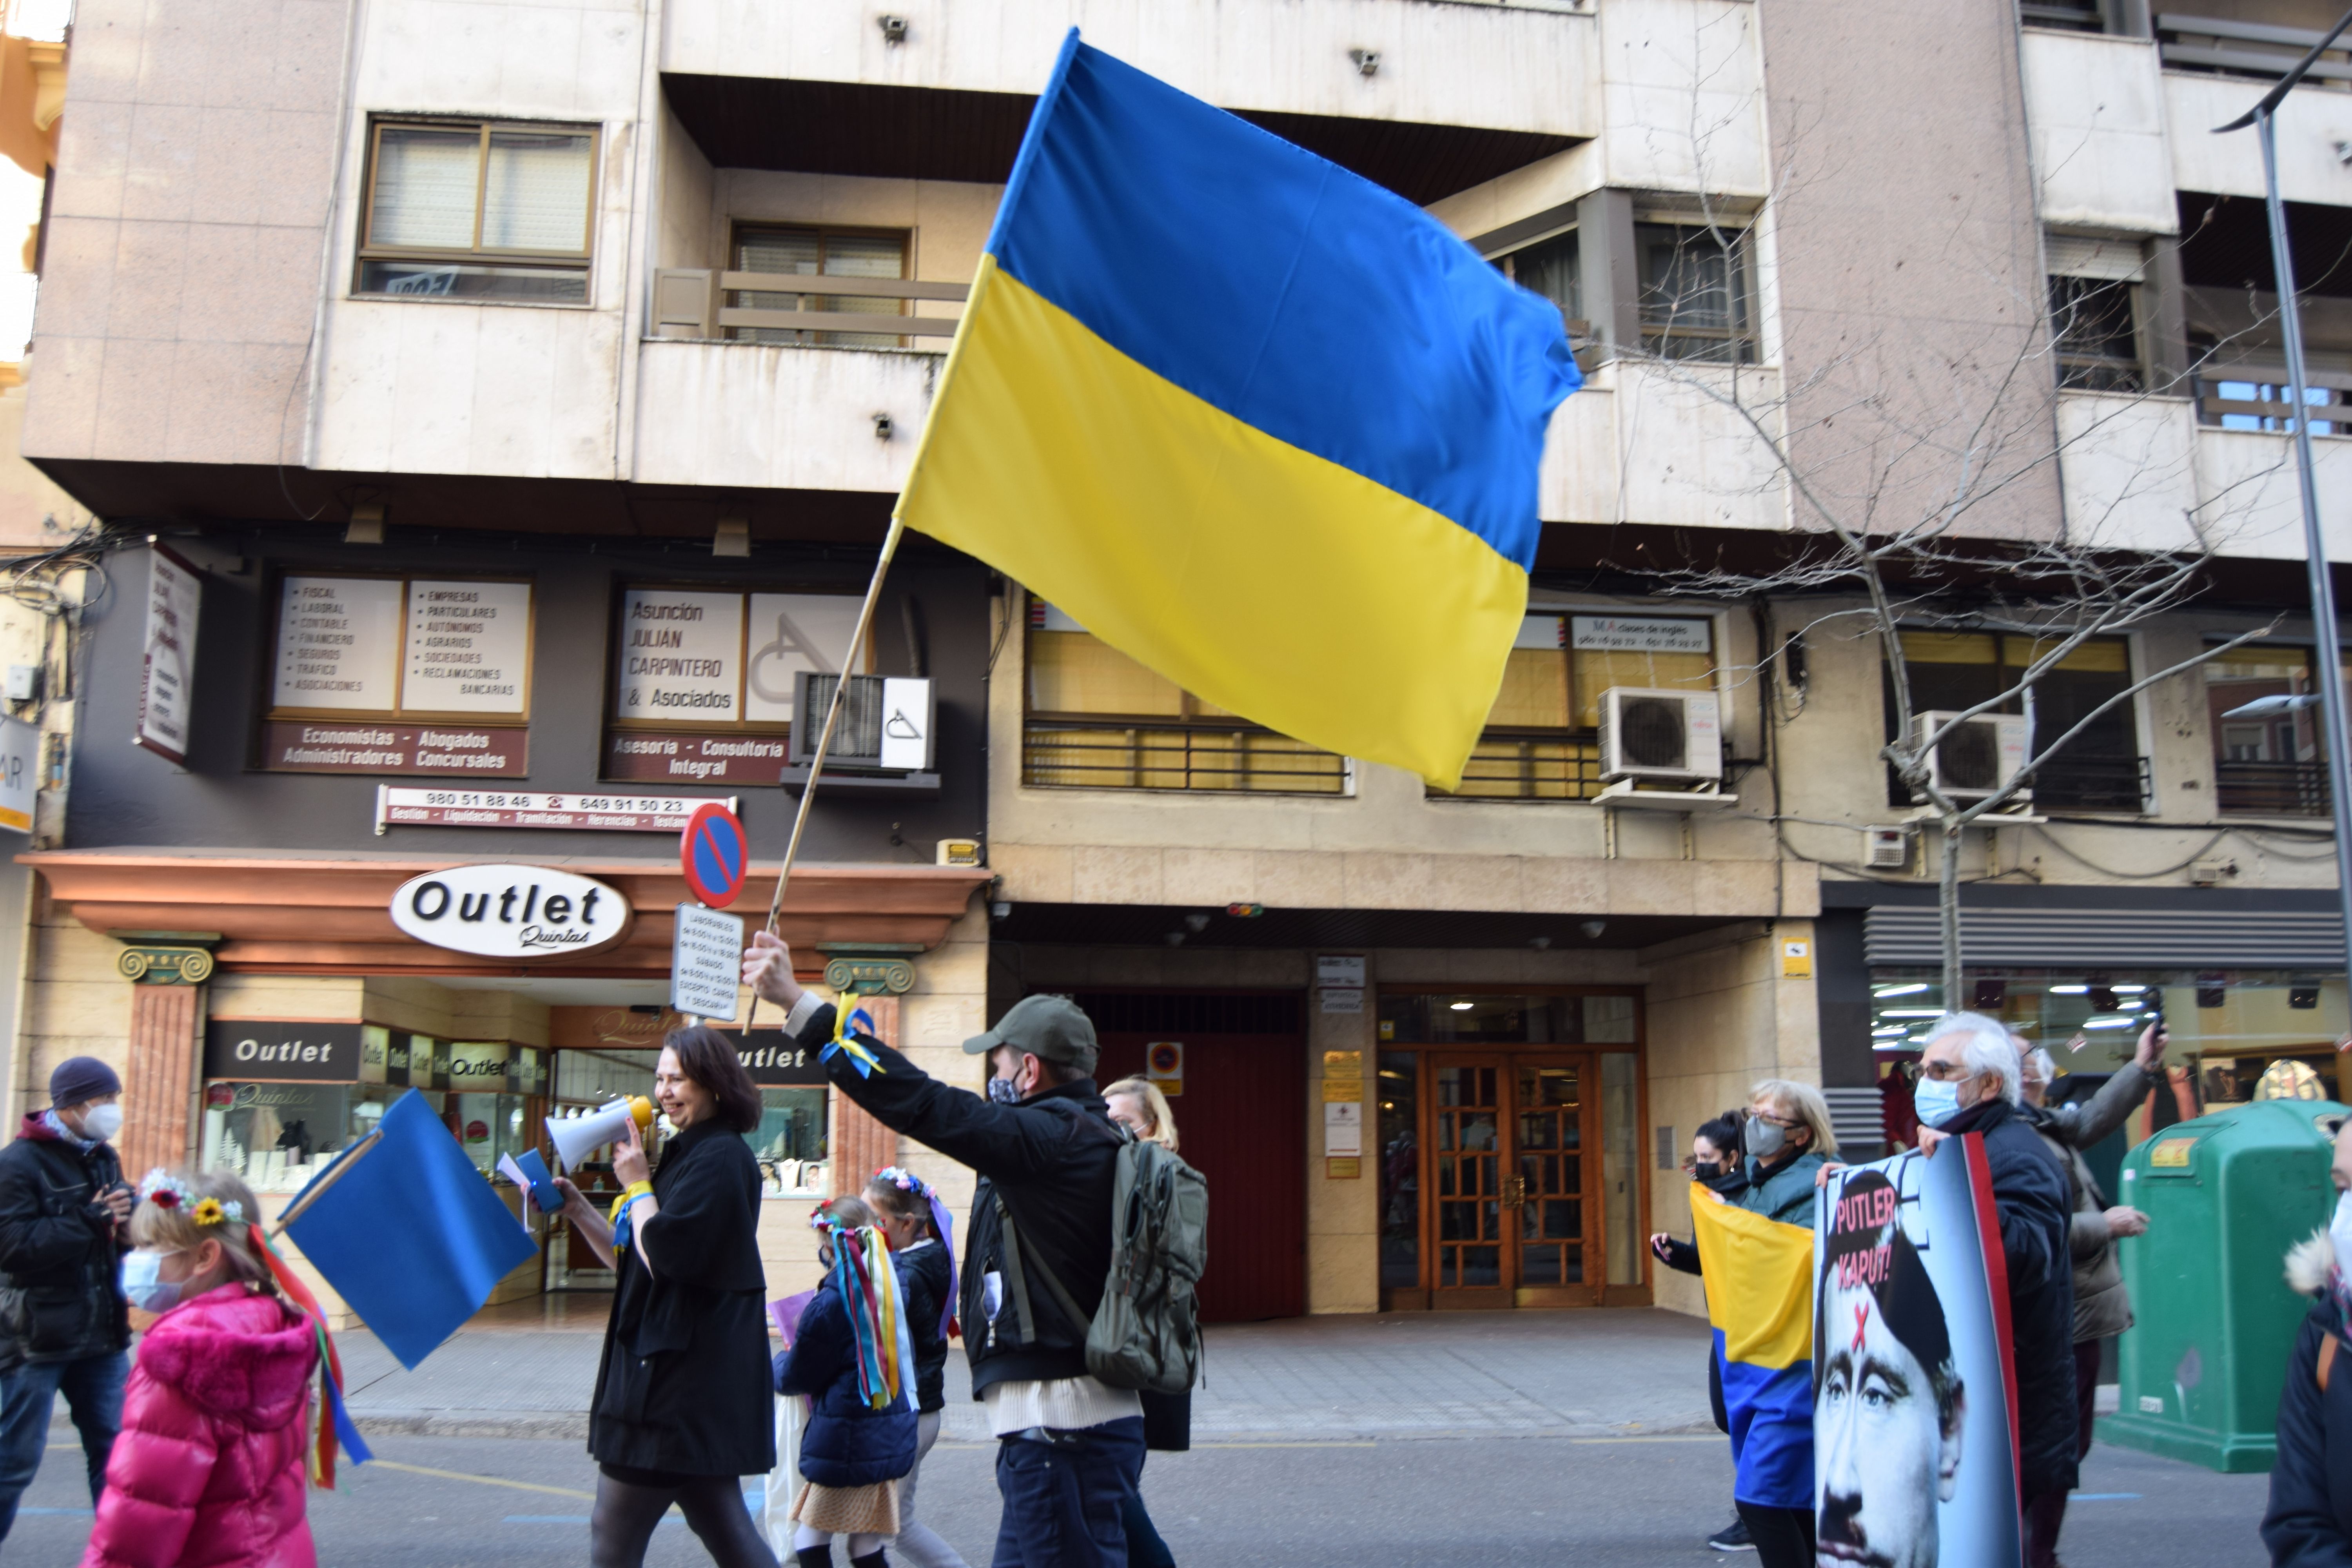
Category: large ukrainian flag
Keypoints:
(1759, 1298)
(1250, 419)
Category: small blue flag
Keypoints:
(411, 1236)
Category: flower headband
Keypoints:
(167, 1191)
(905, 1180)
(821, 1218)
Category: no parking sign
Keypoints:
(715, 855)
(1163, 1062)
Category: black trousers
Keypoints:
(1783, 1536)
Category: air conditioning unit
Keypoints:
(1979, 757)
(1674, 736)
(884, 724)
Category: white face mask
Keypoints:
(101, 1121)
(143, 1285)
(2339, 1231)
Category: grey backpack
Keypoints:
(1147, 1333)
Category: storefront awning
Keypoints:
(2121, 937)
(308, 914)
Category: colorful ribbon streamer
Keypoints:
(334, 1417)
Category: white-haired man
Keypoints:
(1968, 1082)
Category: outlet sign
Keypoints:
(264, 1051)
(515, 912)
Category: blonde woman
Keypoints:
(1137, 1104)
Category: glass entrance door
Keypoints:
(1512, 1145)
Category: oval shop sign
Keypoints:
(519, 912)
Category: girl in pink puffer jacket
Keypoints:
(209, 1469)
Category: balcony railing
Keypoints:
(1108, 753)
(2255, 397)
(2247, 48)
(2092, 784)
(691, 302)
(2270, 789)
(1534, 765)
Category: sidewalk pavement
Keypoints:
(1604, 1372)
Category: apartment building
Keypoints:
(458, 371)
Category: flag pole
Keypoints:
(824, 737)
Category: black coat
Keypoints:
(2033, 1200)
(683, 1384)
(60, 1251)
(2309, 1523)
(923, 1281)
(1053, 1158)
(848, 1442)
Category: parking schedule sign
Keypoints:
(706, 961)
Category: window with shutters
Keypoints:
(485, 210)
(2095, 312)
(1696, 299)
(1542, 739)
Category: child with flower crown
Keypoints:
(211, 1463)
(922, 1250)
(852, 1355)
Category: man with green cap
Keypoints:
(1070, 1448)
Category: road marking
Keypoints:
(2106, 1497)
(482, 1480)
(69, 1513)
(1334, 1442)
(545, 1519)
(1661, 1437)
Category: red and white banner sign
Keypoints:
(602, 812)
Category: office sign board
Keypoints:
(167, 670)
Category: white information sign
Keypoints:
(339, 644)
(1338, 969)
(1640, 634)
(20, 772)
(680, 655)
(468, 647)
(791, 633)
(705, 962)
(598, 811)
(1343, 1128)
(168, 666)
(1343, 998)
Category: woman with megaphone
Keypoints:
(682, 1410)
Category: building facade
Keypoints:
(456, 371)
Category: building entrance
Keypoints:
(1509, 1177)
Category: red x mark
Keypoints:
(1861, 1322)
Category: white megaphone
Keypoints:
(575, 1137)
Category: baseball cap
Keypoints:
(1051, 1028)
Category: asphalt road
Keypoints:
(1429, 1503)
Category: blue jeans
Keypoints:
(93, 1390)
(1065, 1503)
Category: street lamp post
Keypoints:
(2337, 734)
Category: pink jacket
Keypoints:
(208, 1472)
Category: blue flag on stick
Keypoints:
(407, 1231)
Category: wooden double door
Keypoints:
(1511, 1180)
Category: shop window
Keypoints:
(275, 1137)
(1542, 736)
(1695, 294)
(377, 675)
(814, 252)
(2273, 765)
(1097, 719)
(703, 680)
(791, 1142)
(1400, 1103)
(482, 210)
(2099, 770)
(1554, 268)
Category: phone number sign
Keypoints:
(602, 812)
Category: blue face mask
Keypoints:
(143, 1285)
(1936, 1101)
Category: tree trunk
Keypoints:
(1948, 903)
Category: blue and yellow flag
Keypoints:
(1759, 1298)
(1256, 422)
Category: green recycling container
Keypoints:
(2225, 1196)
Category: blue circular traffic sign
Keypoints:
(715, 855)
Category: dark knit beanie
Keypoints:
(82, 1077)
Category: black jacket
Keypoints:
(2033, 1200)
(848, 1442)
(923, 1281)
(683, 1383)
(1052, 1160)
(2309, 1521)
(60, 1251)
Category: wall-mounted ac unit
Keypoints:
(1977, 758)
(1674, 736)
(884, 724)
